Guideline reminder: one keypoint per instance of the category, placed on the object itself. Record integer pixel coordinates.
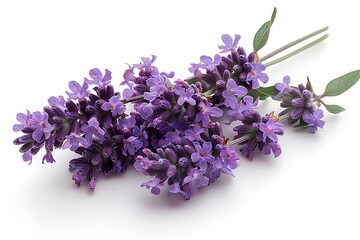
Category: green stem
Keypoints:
(241, 139)
(297, 51)
(209, 92)
(293, 44)
(284, 117)
(132, 99)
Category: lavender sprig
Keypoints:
(190, 162)
(173, 133)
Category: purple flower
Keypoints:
(27, 156)
(176, 188)
(146, 63)
(196, 179)
(195, 68)
(39, 122)
(98, 78)
(78, 92)
(229, 43)
(203, 154)
(206, 111)
(157, 86)
(193, 134)
(145, 110)
(257, 74)
(233, 115)
(315, 120)
(154, 185)
(48, 157)
(272, 147)
(171, 137)
(126, 124)
(132, 145)
(93, 129)
(249, 103)
(229, 156)
(270, 129)
(57, 102)
(73, 141)
(23, 119)
(128, 76)
(114, 105)
(185, 95)
(208, 63)
(283, 87)
(231, 93)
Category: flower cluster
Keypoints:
(299, 104)
(255, 131)
(173, 133)
(229, 77)
(93, 124)
(194, 159)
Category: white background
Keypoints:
(310, 192)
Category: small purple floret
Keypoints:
(256, 74)
(232, 92)
(114, 105)
(230, 44)
(315, 120)
(97, 78)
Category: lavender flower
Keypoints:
(258, 132)
(24, 121)
(42, 128)
(202, 155)
(283, 87)
(146, 65)
(208, 63)
(73, 141)
(97, 78)
(229, 157)
(185, 95)
(78, 92)
(232, 92)
(299, 106)
(93, 129)
(114, 105)
(256, 74)
(270, 129)
(314, 120)
(188, 165)
(206, 112)
(230, 44)
(246, 104)
(57, 102)
(196, 179)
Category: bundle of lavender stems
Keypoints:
(171, 132)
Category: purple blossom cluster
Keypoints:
(255, 132)
(91, 123)
(230, 76)
(172, 134)
(195, 158)
(299, 104)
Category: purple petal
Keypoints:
(96, 74)
(215, 112)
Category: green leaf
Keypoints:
(341, 84)
(262, 35)
(301, 123)
(256, 94)
(269, 91)
(334, 109)
(263, 92)
(309, 85)
(193, 80)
